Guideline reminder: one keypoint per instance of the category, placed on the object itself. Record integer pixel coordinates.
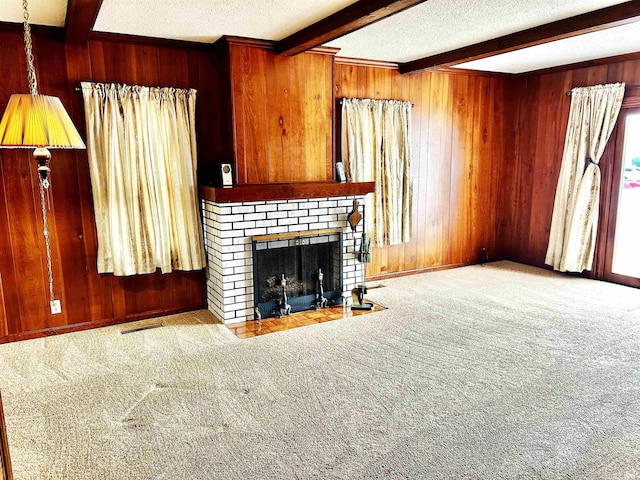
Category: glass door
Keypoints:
(623, 253)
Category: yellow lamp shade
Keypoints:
(32, 121)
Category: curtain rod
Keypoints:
(340, 101)
(568, 94)
(79, 87)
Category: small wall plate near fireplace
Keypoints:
(227, 175)
(299, 259)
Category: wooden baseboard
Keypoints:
(5, 459)
(435, 268)
(96, 324)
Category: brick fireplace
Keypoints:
(231, 226)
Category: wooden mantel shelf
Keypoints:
(284, 191)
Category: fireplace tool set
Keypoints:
(363, 256)
(283, 307)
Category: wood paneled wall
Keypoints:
(540, 109)
(87, 297)
(458, 147)
(282, 115)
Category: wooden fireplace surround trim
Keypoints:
(284, 191)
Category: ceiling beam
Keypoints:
(613, 16)
(81, 16)
(349, 19)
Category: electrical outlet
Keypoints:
(56, 307)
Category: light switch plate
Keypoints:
(56, 307)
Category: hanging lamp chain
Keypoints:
(47, 242)
(31, 71)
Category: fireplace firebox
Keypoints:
(300, 259)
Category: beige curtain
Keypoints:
(142, 158)
(574, 224)
(376, 146)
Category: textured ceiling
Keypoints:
(433, 27)
(41, 12)
(208, 20)
(441, 25)
(605, 43)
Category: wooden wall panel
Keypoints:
(458, 150)
(87, 297)
(282, 116)
(540, 109)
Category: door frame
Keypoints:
(610, 199)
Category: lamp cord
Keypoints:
(47, 242)
(31, 71)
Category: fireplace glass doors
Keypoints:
(300, 259)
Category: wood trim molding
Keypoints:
(150, 41)
(363, 62)
(604, 18)
(349, 19)
(308, 233)
(81, 16)
(267, 44)
(631, 102)
(473, 73)
(627, 57)
(39, 30)
(284, 191)
(5, 459)
(247, 42)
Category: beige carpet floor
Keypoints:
(503, 371)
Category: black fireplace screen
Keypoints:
(300, 259)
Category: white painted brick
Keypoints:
(298, 213)
(231, 218)
(234, 248)
(328, 203)
(255, 231)
(276, 230)
(312, 219)
(229, 307)
(245, 298)
(234, 263)
(274, 215)
(269, 207)
(243, 283)
(245, 269)
(239, 255)
(266, 223)
(308, 205)
(242, 240)
(318, 211)
(255, 216)
(287, 206)
(231, 233)
(239, 225)
(318, 226)
(328, 218)
(287, 221)
(236, 278)
(336, 224)
(243, 209)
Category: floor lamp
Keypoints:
(38, 122)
